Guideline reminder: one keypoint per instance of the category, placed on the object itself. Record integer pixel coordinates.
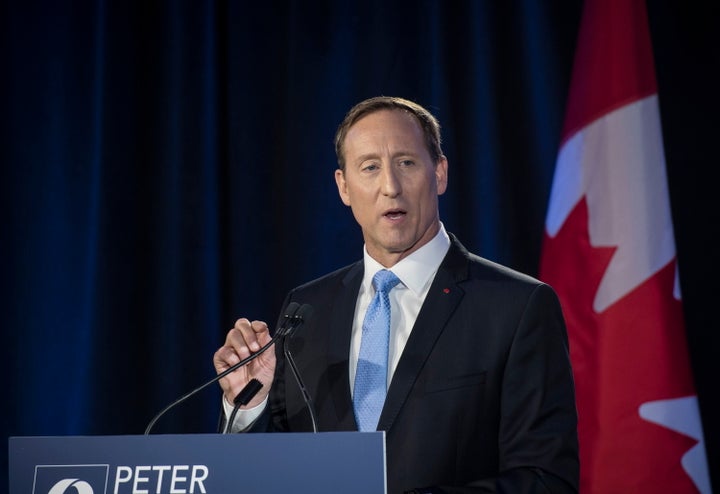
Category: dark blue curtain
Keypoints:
(168, 167)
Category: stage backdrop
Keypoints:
(167, 167)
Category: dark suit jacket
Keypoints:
(482, 399)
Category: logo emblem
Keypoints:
(70, 479)
(78, 486)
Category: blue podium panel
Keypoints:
(322, 463)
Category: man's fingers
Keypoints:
(251, 334)
(242, 340)
(225, 357)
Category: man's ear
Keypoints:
(441, 175)
(342, 186)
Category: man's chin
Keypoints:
(401, 248)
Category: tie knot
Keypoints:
(385, 280)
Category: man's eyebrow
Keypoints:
(367, 156)
(397, 154)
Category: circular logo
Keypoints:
(71, 486)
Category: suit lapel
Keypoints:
(339, 348)
(442, 299)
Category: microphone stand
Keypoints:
(306, 395)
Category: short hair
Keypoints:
(428, 123)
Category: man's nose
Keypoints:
(390, 182)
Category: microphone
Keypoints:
(243, 398)
(250, 390)
(304, 312)
(289, 323)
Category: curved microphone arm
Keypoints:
(290, 322)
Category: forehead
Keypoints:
(385, 126)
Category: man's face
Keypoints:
(391, 184)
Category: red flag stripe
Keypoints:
(613, 62)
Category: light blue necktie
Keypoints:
(372, 367)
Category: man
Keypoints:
(480, 395)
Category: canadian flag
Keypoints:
(609, 252)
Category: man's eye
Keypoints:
(407, 163)
(370, 167)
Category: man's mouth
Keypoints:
(394, 214)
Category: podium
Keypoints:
(321, 463)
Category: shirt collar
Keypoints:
(416, 270)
